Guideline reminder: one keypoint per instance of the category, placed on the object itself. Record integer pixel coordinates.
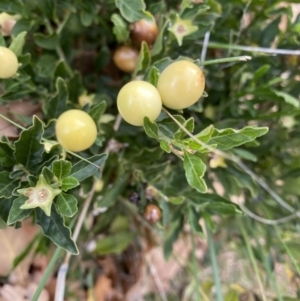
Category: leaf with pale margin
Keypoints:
(228, 138)
(61, 168)
(120, 29)
(151, 128)
(17, 214)
(194, 217)
(97, 111)
(46, 42)
(88, 167)
(144, 59)
(194, 171)
(48, 174)
(133, 10)
(68, 183)
(7, 185)
(66, 204)
(57, 104)
(153, 76)
(17, 44)
(189, 125)
(53, 226)
(29, 149)
(164, 145)
(288, 98)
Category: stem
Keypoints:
(195, 263)
(213, 258)
(62, 273)
(253, 261)
(267, 221)
(58, 49)
(47, 273)
(12, 122)
(237, 160)
(224, 60)
(252, 49)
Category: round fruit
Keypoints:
(75, 130)
(8, 63)
(152, 213)
(138, 99)
(180, 85)
(144, 30)
(126, 58)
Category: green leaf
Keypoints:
(48, 174)
(189, 125)
(97, 111)
(144, 59)
(194, 171)
(6, 154)
(288, 98)
(114, 244)
(153, 76)
(66, 204)
(69, 183)
(159, 42)
(244, 154)
(25, 252)
(228, 138)
(194, 220)
(208, 220)
(176, 200)
(47, 42)
(53, 226)
(29, 149)
(61, 168)
(203, 136)
(11, 6)
(7, 185)
(164, 145)
(47, 7)
(5, 206)
(133, 10)
(151, 128)
(17, 214)
(171, 236)
(57, 104)
(110, 196)
(120, 28)
(17, 44)
(88, 167)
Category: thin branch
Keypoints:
(267, 221)
(242, 58)
(156, 279)
(251, 49)
(204, 48)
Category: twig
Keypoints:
(267, 221)
(156, 279)
(204, 48)
(251, 49)
(224, 60)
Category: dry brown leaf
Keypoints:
(12, 243)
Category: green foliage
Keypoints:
(249, 112)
